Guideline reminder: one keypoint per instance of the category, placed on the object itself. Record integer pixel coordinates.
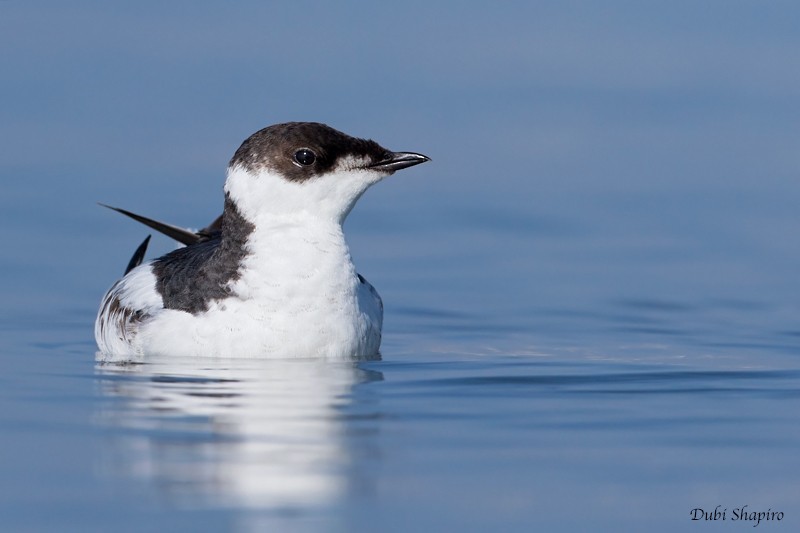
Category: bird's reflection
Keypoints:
(258, 434)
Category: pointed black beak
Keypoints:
(397, 160)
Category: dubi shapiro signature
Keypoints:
(736, 514)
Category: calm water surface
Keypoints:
(443, 434)
(591, 291)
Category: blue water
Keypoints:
(591, 291)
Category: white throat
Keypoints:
(268, 197)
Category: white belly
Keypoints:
(303, 328)
(319, 316)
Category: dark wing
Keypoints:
(183, 236)
(138, 255)
(211, 231)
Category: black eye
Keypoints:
(305, 157)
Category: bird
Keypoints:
(272, 277)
